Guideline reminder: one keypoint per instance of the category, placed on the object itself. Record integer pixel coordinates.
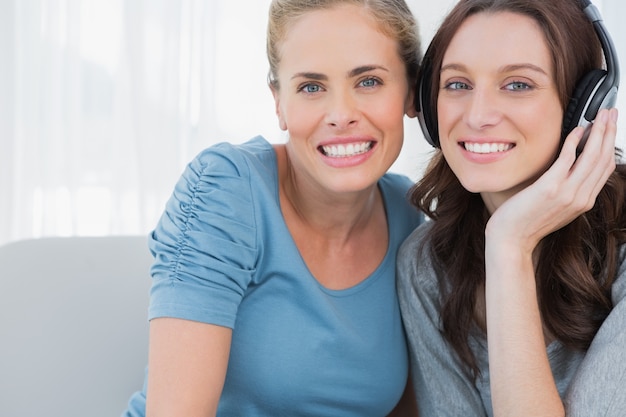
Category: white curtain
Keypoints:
(103, 102)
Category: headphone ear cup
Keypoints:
(583, 94)
(426, 114)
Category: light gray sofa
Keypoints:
(73, 325)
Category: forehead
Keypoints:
(499, 38)
(343, 33)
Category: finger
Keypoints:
(577, 181)
(597, 161)
(602, 155)
(598, 150)
(592, 152)
(608, 146)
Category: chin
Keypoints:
(473, 186)
(482, 186)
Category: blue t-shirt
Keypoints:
(224, 255)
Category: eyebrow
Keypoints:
(353, 73)
(506, 68)
(365, 68)
(310, 75)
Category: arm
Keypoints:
(187, 367)
(521, 378)
(203, 263)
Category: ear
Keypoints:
(409, 105)
(281, 120)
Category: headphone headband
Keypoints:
(607, 91)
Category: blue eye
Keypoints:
(456, 85)
(517, 86)
(370, 82)
(310, 88)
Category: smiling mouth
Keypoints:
(346, 150)
(484, 148)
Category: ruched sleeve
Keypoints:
(205, 244)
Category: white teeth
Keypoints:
(344, 151)
(487, 147)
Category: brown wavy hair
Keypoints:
(578, 263)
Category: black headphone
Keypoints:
(596, 90)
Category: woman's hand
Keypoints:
(565, 191)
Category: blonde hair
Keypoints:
(393, 16)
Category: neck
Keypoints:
(336, 215)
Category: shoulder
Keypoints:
(396, 183)
(395, 188)
(417, 283)
(206, 244)
(415, 246)
(234, 159)
(415, 268)
(219, 190)
(232, 169)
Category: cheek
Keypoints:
(446, 119)
(453, 157)
(388, 115)
(299, 118)
(544, 122)
(447, 115)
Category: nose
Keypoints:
(342, 111)
(482, 109)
